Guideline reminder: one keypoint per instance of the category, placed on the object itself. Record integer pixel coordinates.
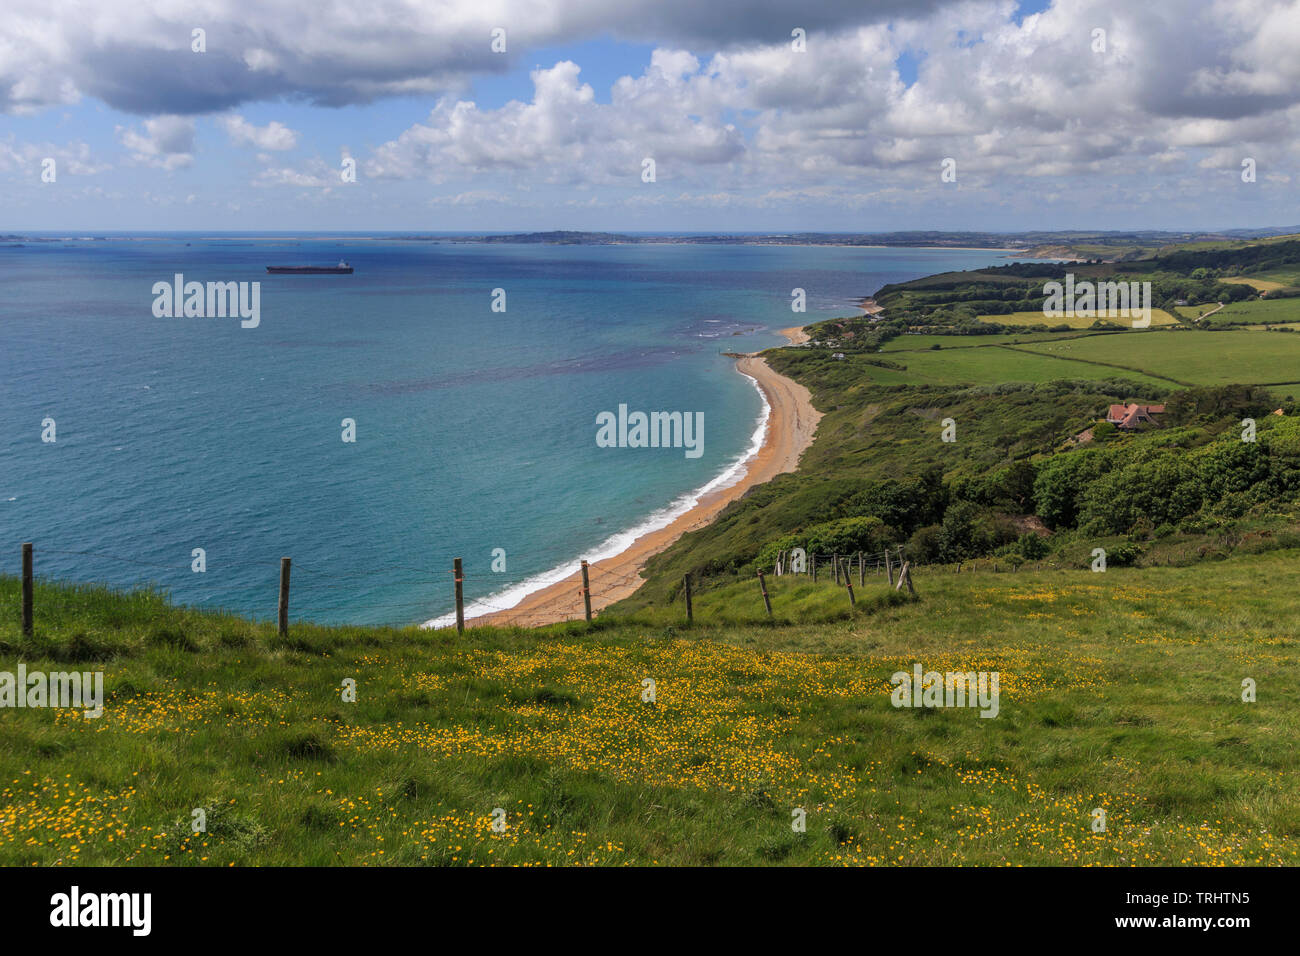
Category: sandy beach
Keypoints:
(791, 425)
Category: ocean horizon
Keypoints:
(474, 429)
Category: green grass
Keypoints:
(1158, 317)
(1256, 311)
(919, 343)
(991, 365)
(1100, 251)
(1119, 691)
(1193, 358)
(1288, 275)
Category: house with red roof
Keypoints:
(1132, 417)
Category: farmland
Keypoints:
(1200, 358)
(1154, 357)
(1158, 317)
(914, 342)
(1263, 285)
(986, 365)
(1255, 311)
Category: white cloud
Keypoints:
(136, 54)
(565, 136)
(274, 135)
(166, 142)
(316, 175)
(730, 113)
(74, 158)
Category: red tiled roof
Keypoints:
(1130, 416)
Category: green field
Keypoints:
(1195, 358)
(1263, 285)
(1158, 317)
(1257, 311)
(988, 365)
(919, 343)
(1119, 691)
(1285, 276)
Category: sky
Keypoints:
(649, 115)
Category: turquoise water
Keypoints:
(475, 430)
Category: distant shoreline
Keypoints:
(1066, 246)
(789, 430)
(493, 239)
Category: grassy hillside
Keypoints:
(1183, 280)
(1119, 691)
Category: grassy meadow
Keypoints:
(1189, 358)
(919, 342)
(1159, 358)
(1255, 312)
(1119, 691)
(976, 364)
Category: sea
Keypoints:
(441, 402)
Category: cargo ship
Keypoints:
(342, 269)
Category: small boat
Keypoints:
(342, 269)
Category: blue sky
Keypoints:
(1081, 114)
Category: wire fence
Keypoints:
(565, 598)
(577, 595)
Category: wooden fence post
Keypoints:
(813, 559)
(27, 591)
(848, 583)
(284, 596)
(762, 586)
(889, 568)
(586, 592)
(862, 572)
(905, 577)
(686, 583)
(458, 573)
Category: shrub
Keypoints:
(924, 544)
(1032, 546)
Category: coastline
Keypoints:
(791, 422)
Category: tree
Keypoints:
(1104, 431)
